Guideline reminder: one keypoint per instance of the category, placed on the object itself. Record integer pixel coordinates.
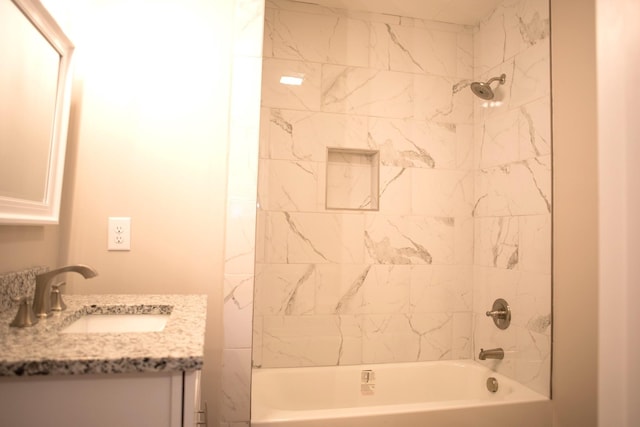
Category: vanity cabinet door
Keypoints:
(93, 400)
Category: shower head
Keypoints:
(483, 90)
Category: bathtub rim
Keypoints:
(268, 416)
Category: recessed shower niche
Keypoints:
(352, 179)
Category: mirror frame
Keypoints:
(22, 211)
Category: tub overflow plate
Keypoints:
(492, 384)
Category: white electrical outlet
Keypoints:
(119, 235)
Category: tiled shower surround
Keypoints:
(512, 186)
(464, 190)
(350, 286)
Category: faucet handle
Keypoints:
(501, 313)
(25, 316)
(57, 304)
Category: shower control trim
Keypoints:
(501, 313)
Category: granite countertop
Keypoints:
(43, 350)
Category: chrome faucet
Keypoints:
(493, 353)
(42, 299)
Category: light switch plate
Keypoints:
(119, 234)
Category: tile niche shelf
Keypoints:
(352, 179)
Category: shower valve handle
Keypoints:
(500, 314)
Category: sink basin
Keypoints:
(117, 323)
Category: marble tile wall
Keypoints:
(337, 287)
(512, 190)
(241, 214)
(465, 190)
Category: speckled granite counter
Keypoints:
(43, 350)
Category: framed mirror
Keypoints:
(35, 98)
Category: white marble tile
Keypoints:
(535, 129)
(430, 24)
(313, 238)
(442, 193)
(285, 289)
(278, 95)
(339, 286)
(248, 24)
(511, 27)
(520, 188)
(297, 6)
(463, 235)
(237, 311)
(362, 289)
(264, 131)
(441, 289)
(236, 380)
(533, 22)
(246, 88)
(332, 39)
(442, 99)
(464, 54)
(395, 191)
(497, 242)
(436, 334)
(301, 135)
(499, 142)
(240, 236)
(532, 304)
(256, 346)
(500, 36)
(242, 176)
(288, 185)
(366, 91)
(384, 290)
(533, 360)
(310, 341)
(350, 350)
(464, 147)
(462, 341)
(312, 8)
(535, 243)
(389, 338)
(532, 75)
(414, 49)
(490, 284)
(261, 229)
(489, 43)
(269, 19)
(414, 143)
(408, 240)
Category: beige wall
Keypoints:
(152, 139)
(148, 139)
(575, 213)
(26, 246)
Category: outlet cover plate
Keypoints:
(119, 234)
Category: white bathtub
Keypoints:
(438, 394)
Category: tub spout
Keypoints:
(493, 353)
(41, 299)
